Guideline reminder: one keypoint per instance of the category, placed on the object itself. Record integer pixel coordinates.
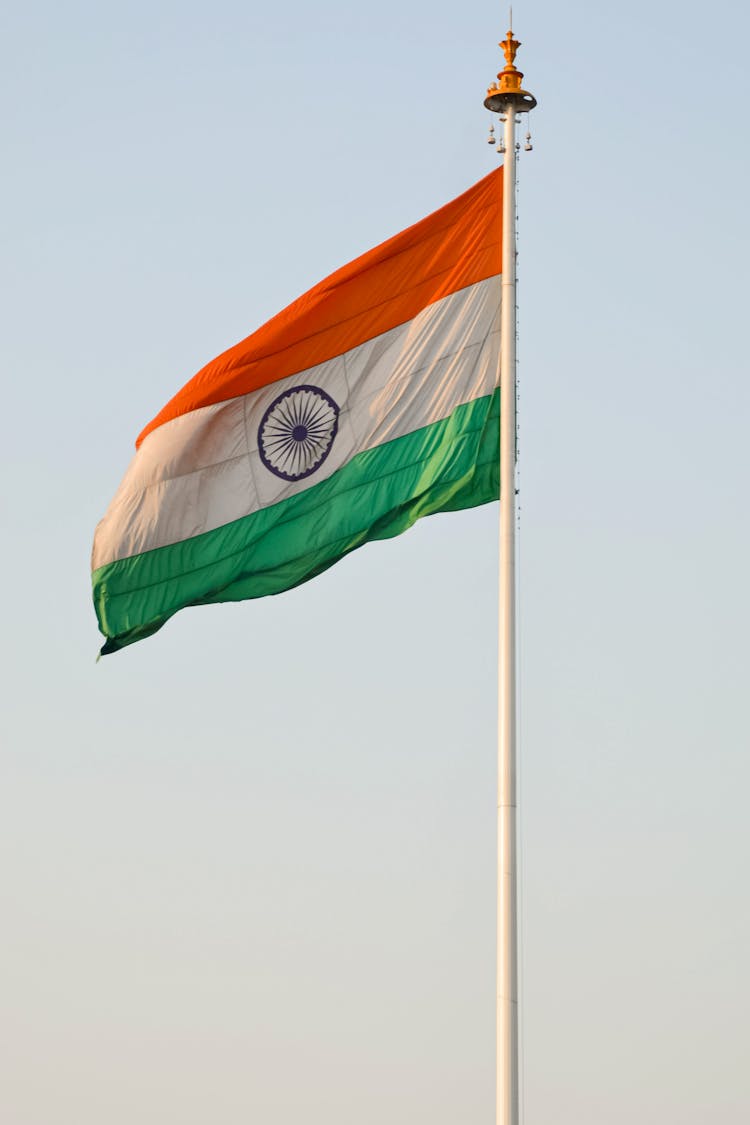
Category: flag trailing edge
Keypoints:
(367, 403)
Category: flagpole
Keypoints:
(507, 99)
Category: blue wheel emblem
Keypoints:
(297, 431)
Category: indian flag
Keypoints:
(367, 403)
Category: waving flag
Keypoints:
(369, 402)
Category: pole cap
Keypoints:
(507, 91)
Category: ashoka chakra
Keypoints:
(297, 431)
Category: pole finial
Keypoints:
(510, 49)
(508, 89)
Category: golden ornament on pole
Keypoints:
(508, 89)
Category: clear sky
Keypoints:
(248, 865)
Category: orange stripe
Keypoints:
(448, 250)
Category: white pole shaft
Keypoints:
(507, 955)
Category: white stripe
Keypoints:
(203, 469)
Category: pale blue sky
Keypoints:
(248, 865)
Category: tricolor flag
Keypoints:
(369, 402)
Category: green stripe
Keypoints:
(443, 467)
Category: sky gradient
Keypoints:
(248, 864)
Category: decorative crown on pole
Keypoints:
(509, 46)
(508, 89)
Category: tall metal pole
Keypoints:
(507, 956)
(508, 99)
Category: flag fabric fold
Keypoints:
(369, 402)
